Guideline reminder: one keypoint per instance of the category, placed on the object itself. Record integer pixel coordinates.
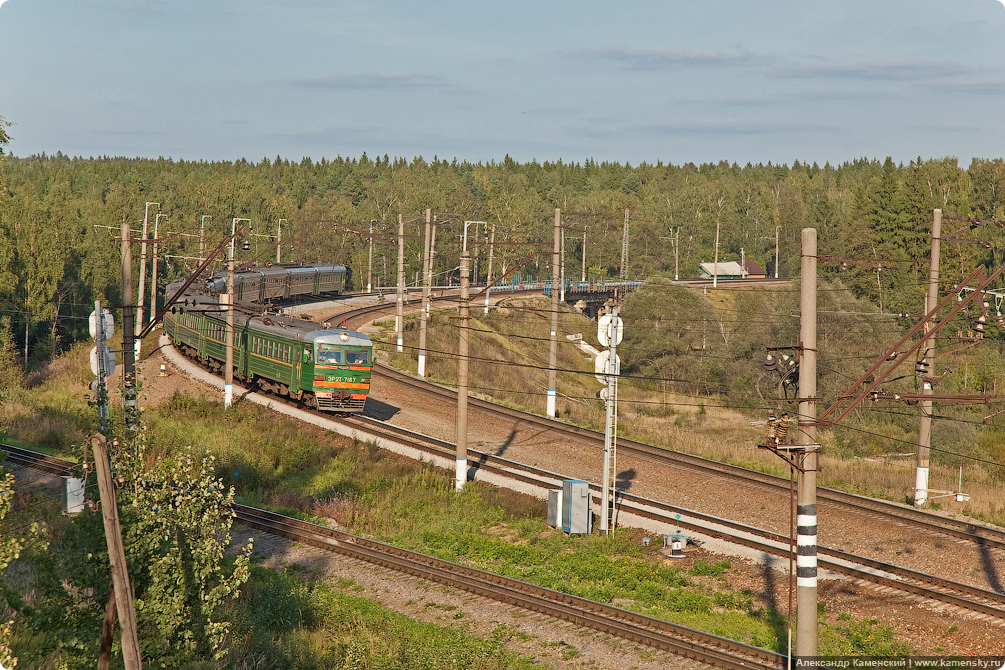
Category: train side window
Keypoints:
(307, 354)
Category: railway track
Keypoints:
(655, 633)
(904, 514)
(988, 604)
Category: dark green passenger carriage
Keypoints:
(327, 369)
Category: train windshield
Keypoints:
(357, 358)
(328, 355)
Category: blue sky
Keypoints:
(671, 80)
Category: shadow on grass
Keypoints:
(772, 615)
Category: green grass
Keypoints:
(282, 621)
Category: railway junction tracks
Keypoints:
(984, 603)
(678, 640)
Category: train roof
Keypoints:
(298, 329)
(335, 337)
(318, 268)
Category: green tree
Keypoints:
(176, 518)
(4, 137)
(33, 264)
(178, 528)
(10, 549)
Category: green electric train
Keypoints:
(324, 368)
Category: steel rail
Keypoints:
(677, 639)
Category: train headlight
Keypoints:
(344, 337)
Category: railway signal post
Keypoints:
(608, 366)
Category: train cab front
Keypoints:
(342, 362)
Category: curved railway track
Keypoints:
(933, 588)
(956, 528)
(678, 640)
(929, 587)
(962, 530)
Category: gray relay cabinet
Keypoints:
(576, 504)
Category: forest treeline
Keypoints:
(60, 219)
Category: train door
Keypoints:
(297, 381)
(307, 369)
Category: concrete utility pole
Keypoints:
(128, 333)
(423, 312)
(806, 497)
(116, 555)
(676, 255)
(369, 263)
(202, 238)
(583, 279)
(624, 248)
(928, 356)
(488, 276)
(102, 393)
(461, 476)
(561, 271)
(399, 314)
(715, 261)
(153, 270)
(475, 260)
(228, 372)
(143, 274)
(432, 267)
(553, 344)
(777, 228)
(279, 245)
